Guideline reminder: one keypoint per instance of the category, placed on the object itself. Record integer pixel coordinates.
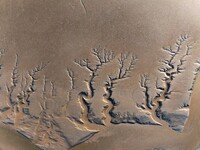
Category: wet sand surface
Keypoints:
(147, 138)
(11, 140)
(58, 32)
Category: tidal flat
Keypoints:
(12, 140)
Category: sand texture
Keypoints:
(103, 75)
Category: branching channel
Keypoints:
(85, 97)
(126, 65)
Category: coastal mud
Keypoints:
(100, 74)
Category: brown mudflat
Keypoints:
(88, 74)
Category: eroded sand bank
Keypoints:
(61, 31)
(145, 137)
(11, 140)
